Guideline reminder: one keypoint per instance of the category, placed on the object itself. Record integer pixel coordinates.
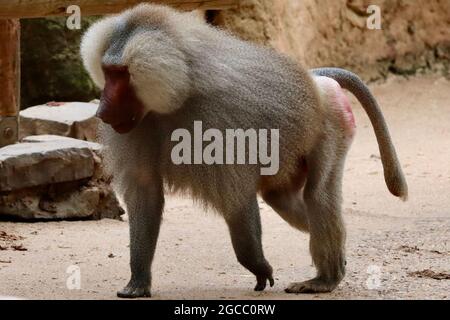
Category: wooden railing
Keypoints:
(18, 9)
(13, 10)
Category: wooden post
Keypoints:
(9, 80)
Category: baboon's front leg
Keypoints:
(245, 231)
(144, 207)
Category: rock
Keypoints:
(108, 206)
(68, 200)
(32, 164)
(53, 138)
(36, 205)
(51, 177)
(73, 119)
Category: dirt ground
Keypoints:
(395, 250)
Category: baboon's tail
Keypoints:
(393, 174)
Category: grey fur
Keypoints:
(185, 70)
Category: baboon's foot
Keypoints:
(134, 291)
(316, 285)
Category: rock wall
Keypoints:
(414, 35)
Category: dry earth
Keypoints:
(396, 250)
(414, 34)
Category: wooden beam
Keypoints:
(9, 67)
(18, 9)
(9, 80)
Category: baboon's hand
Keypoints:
(262, 281)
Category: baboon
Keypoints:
(161, 70)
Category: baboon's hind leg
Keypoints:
(290, 206)
(323, 200)
(288, 201)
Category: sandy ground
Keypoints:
(395, 249)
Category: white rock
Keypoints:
(71, 119)
(52, 177)
(32, 164)
(52, 138)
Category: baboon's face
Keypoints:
(119, 105)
